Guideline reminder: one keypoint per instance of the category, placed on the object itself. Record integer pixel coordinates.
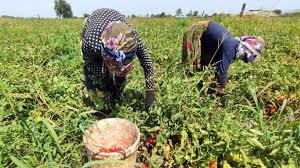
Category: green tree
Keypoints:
(85, 15)
(63, 9)
(190, 13)
(196, 13)
(277, 11)
(163, 14)
(214, 14)
(178, 12)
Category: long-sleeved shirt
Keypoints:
(91, 34)
(218, 47)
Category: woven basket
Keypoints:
(112, 133)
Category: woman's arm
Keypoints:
(146, 63)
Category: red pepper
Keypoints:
(211, 164)
(273, 110)
(104, 150)
(110, 150)
(145, 165)
(115, 149)
(151, 140)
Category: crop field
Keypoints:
(257, 123)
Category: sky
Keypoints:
(45, 8)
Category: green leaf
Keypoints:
(184, 137)
(292, 124)
(18, 162)
(297, 148)
(226, 165)
(153, 129)
(254, 96)
(259, 162)
(52, 133)
(177, 116)
(203, 132)
(245, 157)
(292, 164)
(256, 132)
(48, 149)
(99, 162)
(256, 143)
(273, 152)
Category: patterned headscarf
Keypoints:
(118, 47)
(251, 48)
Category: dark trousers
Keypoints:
(111, 85)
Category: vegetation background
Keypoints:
(42, 114)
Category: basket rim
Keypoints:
(117, 155)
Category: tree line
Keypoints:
(64, 10)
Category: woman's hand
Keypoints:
(220, 91)
(216, 90)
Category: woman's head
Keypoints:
(118, 47)
(250, 48)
